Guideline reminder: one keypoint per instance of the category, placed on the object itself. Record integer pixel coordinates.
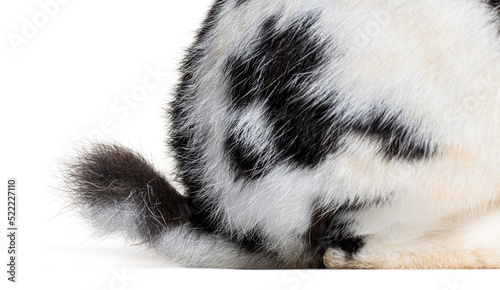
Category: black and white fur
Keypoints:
(345, 133)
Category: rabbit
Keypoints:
(320, 134)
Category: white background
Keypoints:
(65, 74)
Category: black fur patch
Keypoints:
(201, 217)
(253, 241)
(277, 72)
(247, 164)
(109, 175)
(279, 67)
(330, 229)
(493, 3)
(397, 141)
(240, 2)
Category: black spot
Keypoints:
(247, 163)
(279, 67)
(278, 72)
(304, 131)
(331, 228)
(240, 2)
(252, 241)
(397, 141)
(493, 3)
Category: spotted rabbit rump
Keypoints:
(313, 133)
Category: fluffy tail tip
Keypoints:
(119, 191)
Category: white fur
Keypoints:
(210, 251)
